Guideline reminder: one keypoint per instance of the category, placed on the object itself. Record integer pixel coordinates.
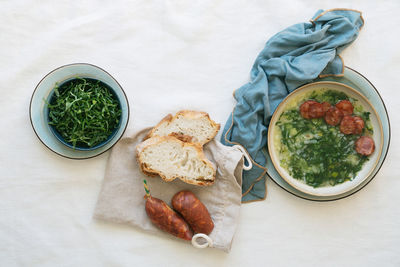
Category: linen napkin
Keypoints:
(291, 58)
(121, 199)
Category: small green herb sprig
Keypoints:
(84, 112)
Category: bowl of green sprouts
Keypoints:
(86, 108)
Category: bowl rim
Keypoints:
(79, 150)
(270, 139)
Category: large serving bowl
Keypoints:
(43, 94)
(294, 100)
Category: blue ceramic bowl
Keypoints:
(39, 110)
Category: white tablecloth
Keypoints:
(171, 55)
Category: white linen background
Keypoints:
(171, 55)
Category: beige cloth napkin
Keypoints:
(121, 197)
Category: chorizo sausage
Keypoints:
(365, 145)
(347, 125)
(326, 106)
(359, 125)
(351, 125)
(333, 116)
(193, 211)
(316, 110)
(305, 108)
(167, 219)
(345, 106)
(311, 109)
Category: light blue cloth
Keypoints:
(291, 58)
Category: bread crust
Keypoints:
(158, 139)
(182, 137)
(191, 114)
(166, 119)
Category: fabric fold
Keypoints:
(121, 198)
(291, 58)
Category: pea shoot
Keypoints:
(84, 112)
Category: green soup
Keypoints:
(315, 152)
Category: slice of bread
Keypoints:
(172, 158)
(188, 126)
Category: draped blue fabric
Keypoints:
(291, 58)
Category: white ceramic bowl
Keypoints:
(296, 98)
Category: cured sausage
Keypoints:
(316, 110)
(365, 145)
(193, 211)
(359, 122)
(305, 109)
(333, 116)
(311, 110)
(167, 219)
(326, 106)
(347, 125)
(345, 106)
(351, 125)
